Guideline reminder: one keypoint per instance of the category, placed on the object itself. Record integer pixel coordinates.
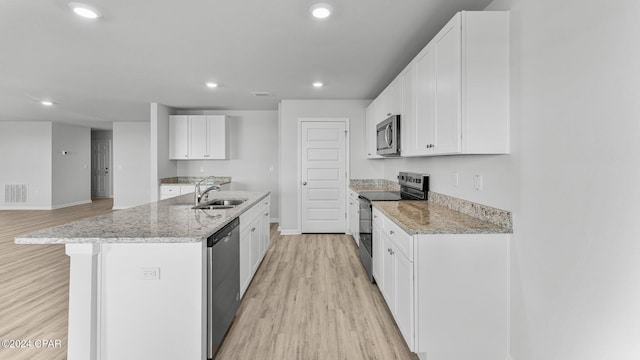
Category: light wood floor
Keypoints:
(310, 298)
(34, 280)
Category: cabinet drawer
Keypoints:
(403, 240)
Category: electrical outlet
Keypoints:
(150, 273)
(455, 180)
(477, 182)
(201, 169)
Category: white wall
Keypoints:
(290, 112)
(161, 166)
(101, 134)
(571, 180)
(71, 173)
(25, 148)
(253, 159)
(132, 164)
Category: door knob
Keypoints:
(304, 183)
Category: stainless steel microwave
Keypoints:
(388, 136)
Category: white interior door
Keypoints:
(101, 168)
(323, 176)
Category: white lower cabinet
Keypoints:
(254, 240)
(354, 216)
(396, 283)
(448, 293)
(169, 191)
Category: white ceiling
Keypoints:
(143, 51)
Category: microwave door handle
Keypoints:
(386, 135)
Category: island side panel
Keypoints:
(83, 289)
(146, 318)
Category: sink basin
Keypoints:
(219, 204)
(231, 202)
(212, 207)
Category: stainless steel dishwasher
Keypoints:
(223, 283)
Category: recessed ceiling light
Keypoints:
(84, 10)
(212, 85)
(318, 84)
(321, 10)
(46, 103)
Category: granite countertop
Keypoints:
(192, 180)
(360, 185)
(167, 221)
(427, 217)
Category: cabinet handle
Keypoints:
(206, 156)
(375, 216)
(254, 229)
(388, 114)
(391, 232)
(266, 214)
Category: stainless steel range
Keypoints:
(413, 186)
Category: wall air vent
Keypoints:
(15, 193)
(261, 93)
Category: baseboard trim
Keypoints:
(122, 207)
(289, 231)
(54, 207)
(18, 207)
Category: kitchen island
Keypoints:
(138, 277)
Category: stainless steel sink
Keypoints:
(232, 202)
(219, 204)
(212, 207)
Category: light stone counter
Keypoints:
(428, 217)
(192, 180)
(167, 221)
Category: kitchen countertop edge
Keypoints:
(39, 238)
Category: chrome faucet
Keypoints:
(200, 194)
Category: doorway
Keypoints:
(101, 167)
(323, 175)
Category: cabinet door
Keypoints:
(370, 131)
(354, 215)
(394, 98)
(178, 137)
(423, 138)
(216, 147)
(377, 244)
(198, 137)
(245, 259)
(448, 59)
(255, 244)
(404, 300)
(408, 110)
(388, 265)
(264, 231)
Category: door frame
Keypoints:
(347, 164)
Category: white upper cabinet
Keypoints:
(198, 137)
(454, 96)
(388, 103)
(370, 131)
(178, 137)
